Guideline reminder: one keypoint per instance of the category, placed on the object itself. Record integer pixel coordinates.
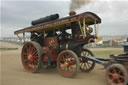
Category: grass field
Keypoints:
(105, 52)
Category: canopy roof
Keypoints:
(90, 18)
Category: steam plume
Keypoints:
(76, 4)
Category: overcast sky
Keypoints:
(17, 14)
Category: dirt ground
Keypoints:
(13, 73)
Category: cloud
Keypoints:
(113, 15)
(19, 14)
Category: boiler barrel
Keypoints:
(45, 19)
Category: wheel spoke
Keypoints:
(26, 60)
(113, 80)
(84, 53)
(62, 66)
(68, 70)
(67, 55)
(65, 68)
(87, 54)
(119, 81)
(85, 66)
(122, 79)
(28, 48)
(110, 73)
(120, 76)
(72, 68)
(63, 59)
(81, 65)
(25, 53)
(88, 64)
(114, 70)
(33, 49)
(36, 61)
(34, 53)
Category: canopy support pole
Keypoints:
(19, 37)
(95, 28)
(24, 38)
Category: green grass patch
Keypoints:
(105, 52)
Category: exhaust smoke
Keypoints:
(76, 4)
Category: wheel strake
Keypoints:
(116, 74)
(68, 63)
(31, 56)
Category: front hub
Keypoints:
(30, 57)
(115, 76)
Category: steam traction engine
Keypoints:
(59, 42)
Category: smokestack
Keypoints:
(71, 13)
(76, 4)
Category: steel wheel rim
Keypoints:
(84, 63)
(115, 76)
(67, 64)
(30, 58)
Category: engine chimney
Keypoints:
(71, 13)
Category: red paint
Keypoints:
(29, 57)
(126, 65)
(114, 75)
(91, 40)
(50, 44)
(71, 13)
(45, 49)
(66, 65)
(80, 40)
(52, 41)
(45, 58)
(53, 54)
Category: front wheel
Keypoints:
(85, 64)
(68, 63)
(116, 74)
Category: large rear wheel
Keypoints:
(68, 63)
(85, 64)
(116, 74)
(31, 56)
